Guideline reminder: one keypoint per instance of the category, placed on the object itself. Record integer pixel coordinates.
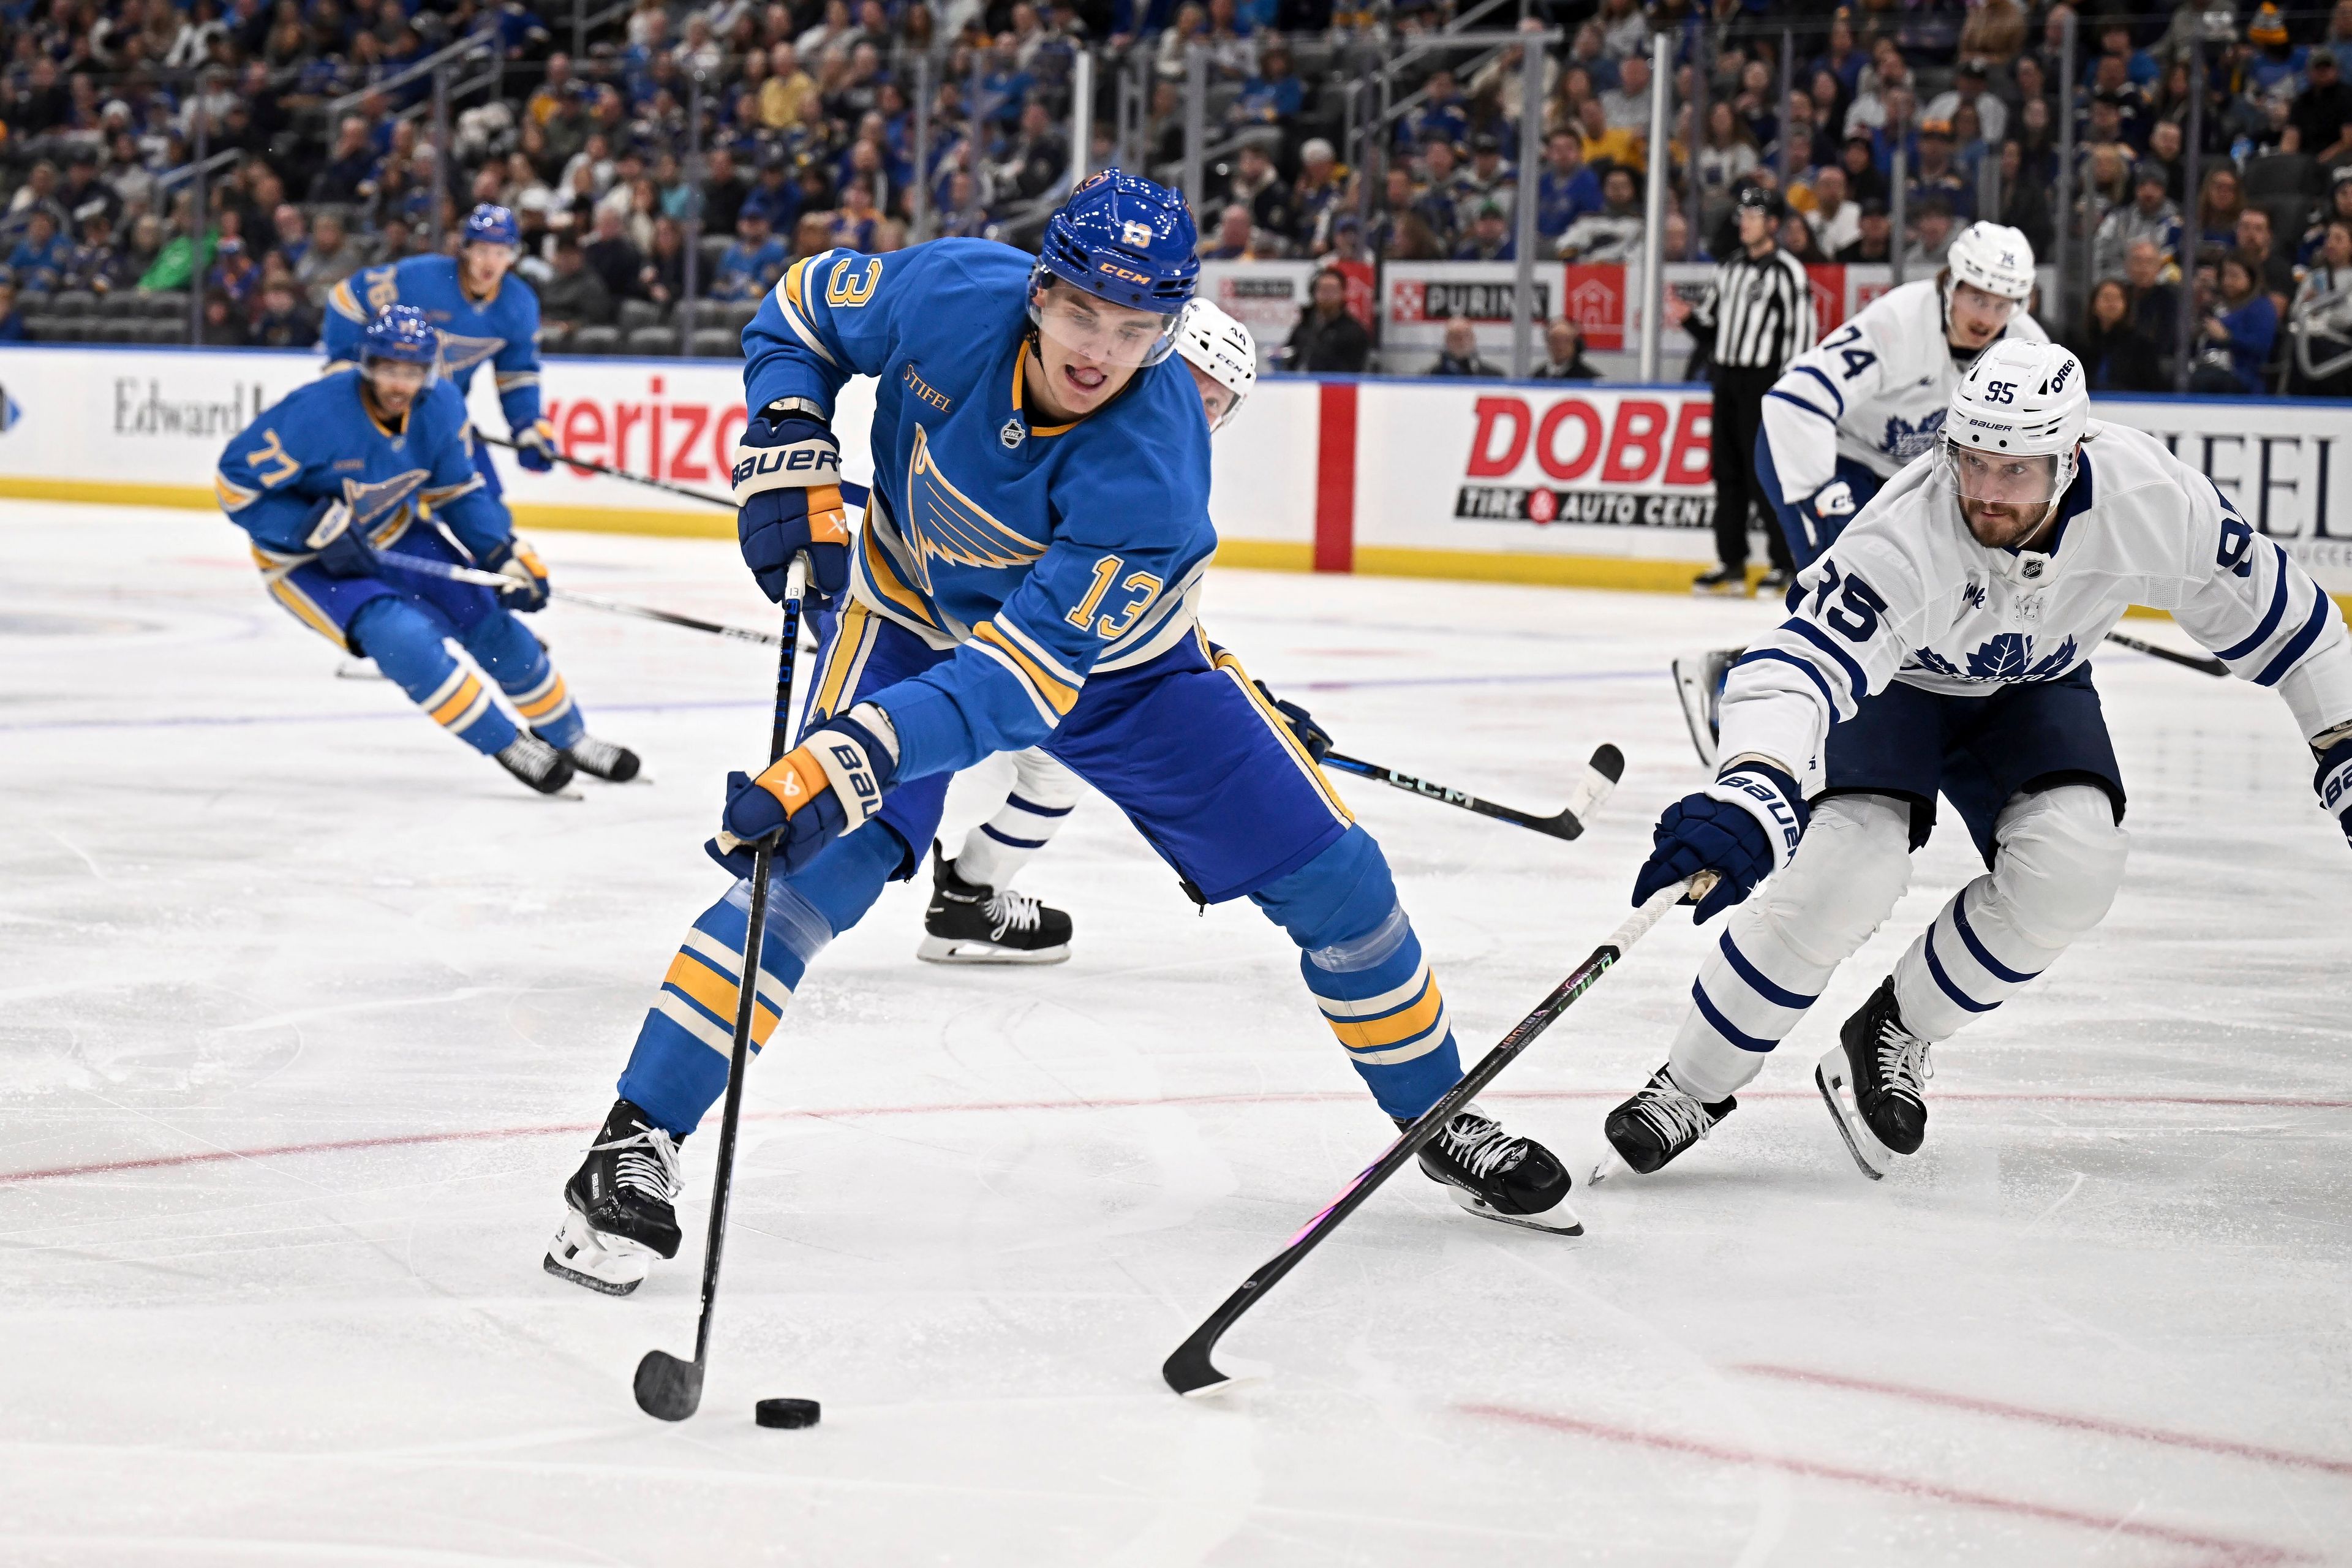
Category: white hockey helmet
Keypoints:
(1220, 348)
(1996, 258)
(2015, 423)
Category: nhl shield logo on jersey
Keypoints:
(1013, 434)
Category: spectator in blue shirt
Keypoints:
(775, 197)
(1440, 116)
(1566, 189)
(1275, 95)
(2238, 333)
(39, 261)
(752, 264)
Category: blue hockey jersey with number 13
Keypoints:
(1046, 550)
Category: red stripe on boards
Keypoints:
(1335, 479)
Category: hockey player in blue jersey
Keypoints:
(481, 311)
(344, 480)
(1027, 573)
(974, 915)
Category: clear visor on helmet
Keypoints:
(1983, 304)
(2002, 479)
(1093, 328)
(405, 374)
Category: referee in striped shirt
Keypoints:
(1755, 317)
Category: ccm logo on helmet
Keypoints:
(1116, 270)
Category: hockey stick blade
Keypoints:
(668, 1388)
(1600, 776)
(1191, 1369)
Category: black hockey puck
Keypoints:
(786, 1412)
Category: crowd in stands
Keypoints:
(227, 162)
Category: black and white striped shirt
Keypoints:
(1758, 315)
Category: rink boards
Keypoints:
(1600, 487)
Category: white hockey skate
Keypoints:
(610, 1264)
(1698, 682)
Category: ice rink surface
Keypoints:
(308, 1011)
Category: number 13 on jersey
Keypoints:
(1143, 585)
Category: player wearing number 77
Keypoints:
(1027, 573)
(1941, 646)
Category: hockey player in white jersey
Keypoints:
(1851, 410)
(1941, 646)
(974, 916)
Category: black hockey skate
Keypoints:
(617, 1215)
(1721, 582)
(601, 759)
(1660, 1121)
(1497, 1176)
(968, 923)
(1875, 1083)
(536, 762)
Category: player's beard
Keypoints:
(2003, 525)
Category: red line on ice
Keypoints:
(1318, 1097)
(2054, 1419)
(2226, 1550)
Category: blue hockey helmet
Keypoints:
(400, 334)
(490, 223)
(1124, 239)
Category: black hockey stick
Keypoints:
(501, 582)
(850, 491)
(586, 467)
(2187, 660)
(666, 1386)
(1191, 1371)
(1601, 776)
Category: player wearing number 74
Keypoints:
(1941, 646)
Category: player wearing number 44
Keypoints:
(334, 484)
(1027, 573)
(1941, 646)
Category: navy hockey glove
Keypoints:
(1826, 513)
(535, 447)
(344, 550)
(1743, 826)
(1311, 736)
(832, 782)
(518, 560)
(2333, 783)
(788, 500)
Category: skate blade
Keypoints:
(940, 950)
(1558, 1220)
(1873, 1158)
(579, 1254)
(1690, 685)
(1611, 1165)
(358, 670)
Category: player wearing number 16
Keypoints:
(1026, 573)
(1940, 648)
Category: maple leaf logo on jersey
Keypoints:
(1905, 440)
(2010, 658)
(945, 524)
